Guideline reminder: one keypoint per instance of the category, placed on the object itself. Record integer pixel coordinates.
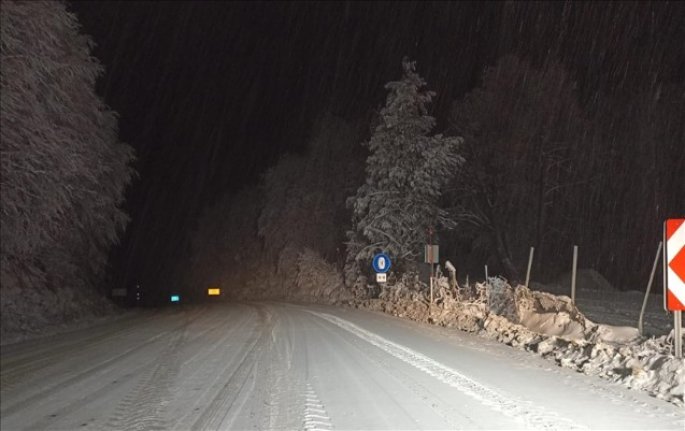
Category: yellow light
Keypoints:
(213, 291)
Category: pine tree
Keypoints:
(405, 172)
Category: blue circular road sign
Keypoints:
(381, 263)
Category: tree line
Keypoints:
(522, 163)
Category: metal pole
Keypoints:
(486, 274)
(649, 287)
(573, 274)
(430, 258)
(678, 333)
(664, 266)
(530, 264)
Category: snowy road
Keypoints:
(275, 366)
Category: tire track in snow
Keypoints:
(48, 348)
(520, 411)
(198, 370)
(76, 377)
(227, 403)
(388, 370)
(286, 370)
(18, 368)
(48, 422)
(142, 408)
(315, 415)
(279, 379)
(98, 388)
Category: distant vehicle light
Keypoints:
(213, 291)
(175, 298)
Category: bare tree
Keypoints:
(520, 128)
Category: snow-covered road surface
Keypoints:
(280, 366)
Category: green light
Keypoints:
(175, 298)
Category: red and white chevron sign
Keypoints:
(674, 234)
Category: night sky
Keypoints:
(211, 93)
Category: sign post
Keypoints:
(432, 254)
(530, 264)
(649, 288)
(573, 274)
(674, 277)
(381, 264)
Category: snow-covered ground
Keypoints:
(600, 302)
(553, 327)
(139, 349)
(29, 313)
(280, 366)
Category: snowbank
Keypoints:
(308, 278)
(600, 302)
(318, 280)
(546, 324)
(32, 313)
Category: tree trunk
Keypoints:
(504, 257)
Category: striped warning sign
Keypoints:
(674, 233)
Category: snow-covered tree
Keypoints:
(405, 173)
(63, 168)
(259, 236)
